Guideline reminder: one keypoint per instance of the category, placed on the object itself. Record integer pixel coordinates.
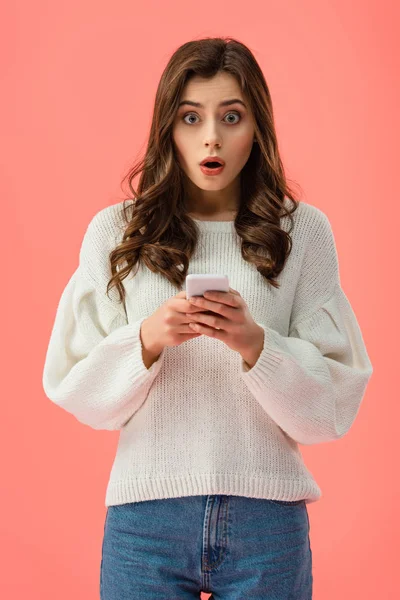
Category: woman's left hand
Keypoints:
(231, 322)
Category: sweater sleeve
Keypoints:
(312, 382)
(93, 367)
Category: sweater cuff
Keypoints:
(130, 334)
(156, 366)
(269, 360)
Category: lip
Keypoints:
(208, 171)
(213, 159)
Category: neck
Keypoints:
(212, 204)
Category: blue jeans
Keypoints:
(236, 548)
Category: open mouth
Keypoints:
(212, 165)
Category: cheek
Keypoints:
(181, 146)
(243, 148)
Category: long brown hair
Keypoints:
(158, 231)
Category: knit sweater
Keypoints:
(200, 420)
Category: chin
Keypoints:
(212, 186)
(213, 183)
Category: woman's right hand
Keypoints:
(168, 325)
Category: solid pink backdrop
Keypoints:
(81, 79)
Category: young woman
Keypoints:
(208, 490)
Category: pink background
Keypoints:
(78, 81)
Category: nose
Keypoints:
(212, 137)
(211, 142)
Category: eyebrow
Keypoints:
(224, 103)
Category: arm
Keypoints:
(312, 382)
(94, 366)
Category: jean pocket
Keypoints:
(288, 502)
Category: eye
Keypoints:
(191, 114)
(236, 114)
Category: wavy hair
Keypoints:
(158, 230)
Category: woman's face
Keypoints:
(213, 130)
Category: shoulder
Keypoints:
(104, 231)
(309, 218)
(109, 222)
(317, 228)
(314, 245)
(311, 226)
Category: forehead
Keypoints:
(206, 91)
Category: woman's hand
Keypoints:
(231, 323)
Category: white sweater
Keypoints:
(199, 421)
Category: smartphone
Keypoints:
(196, 285)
